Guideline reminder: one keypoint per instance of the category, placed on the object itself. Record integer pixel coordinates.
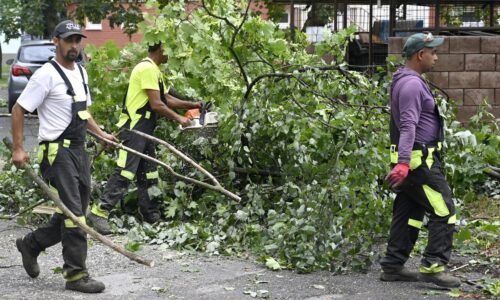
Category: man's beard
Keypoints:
(71, 55)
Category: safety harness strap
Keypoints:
(70, 90)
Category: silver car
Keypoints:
(30, 57)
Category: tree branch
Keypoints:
(237, 30)
(310, 114)
(10, 217)
(290, 75)
(210, 13)
(178, 153)
(169, 168)
(54, 197)
(492, 174)
(233, 39)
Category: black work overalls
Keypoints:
(130, 166)
(424, 190)
(65, 166)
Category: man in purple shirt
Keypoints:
(416, 135)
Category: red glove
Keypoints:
(398, 175)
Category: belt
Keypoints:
(66, 143)
(420, 146)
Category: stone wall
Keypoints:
(468, 70)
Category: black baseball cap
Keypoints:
(67, 28)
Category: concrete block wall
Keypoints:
(468, 70)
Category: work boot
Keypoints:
(401, 274)
(100, 224)
(441, 279)
(151, 217)
(29, 261)
(85, 285)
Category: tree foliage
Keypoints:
(295, 138)
(39, 18)
(302, 140)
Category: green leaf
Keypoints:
(133, 246)
(454, 293)
(272, 264)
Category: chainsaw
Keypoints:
(201, 118)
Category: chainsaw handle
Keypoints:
(205, 107)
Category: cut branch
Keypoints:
(492, 172)
(54, 197)
(290, 75)
(302, 82)
(310, 114)
(178, 153)
(169, 168)
(24, 210)
(496, 169)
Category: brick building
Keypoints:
(98, 33)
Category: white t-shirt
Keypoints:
(46, 92)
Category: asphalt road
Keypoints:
(182, 275)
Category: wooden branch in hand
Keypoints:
(178, 153)
(492, 172)
(496, 169)
(219, 188)
(24, 210)
(54, 197)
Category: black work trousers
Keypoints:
(130, 167)
(67, 170)
(424, 190)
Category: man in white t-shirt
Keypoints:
(60, 94)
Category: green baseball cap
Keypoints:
(419, 41)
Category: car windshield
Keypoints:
(37, 53)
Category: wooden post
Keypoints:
(492, 14)
(437, 17)
(392, 17)
(335, 17)
(344, 20)
(370, 38)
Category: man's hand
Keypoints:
(20, 157)
(397, 175)
(109, 136)
(183, 121)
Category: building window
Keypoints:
(92, 26)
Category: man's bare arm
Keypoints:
(19, 156)
(161, 108)
(174, 102)
(92, 125)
